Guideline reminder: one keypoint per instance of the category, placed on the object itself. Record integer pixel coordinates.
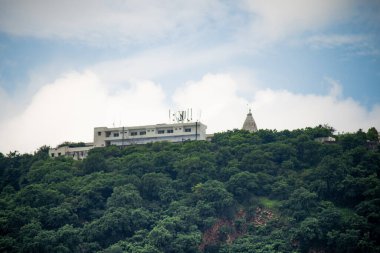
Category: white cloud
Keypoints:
(216, 97)
(119, 22)
(336, 89)
(163, 62)
(357, 43)
(102, 21)
(286, 110)
(70, 107)
(222, 107)
(5, 104)
(334, 40)
(273, 19)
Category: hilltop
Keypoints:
(266, 191)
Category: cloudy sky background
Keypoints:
(68, 66)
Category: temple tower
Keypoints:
(249, 123)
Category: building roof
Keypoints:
(156, 126)
(249, 123)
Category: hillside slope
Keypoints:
(264, 192)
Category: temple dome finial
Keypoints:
(249, 123)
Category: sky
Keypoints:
(69, 66)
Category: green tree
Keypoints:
(372, 134)
(309, 233)
(172, 234)
(243, 184)
(125, 196)
(94, 162)
(37, 195)
(193, 170)
(258, 161)
(301, 203)
(154, 186)
(214, 193)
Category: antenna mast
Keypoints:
(181, 116)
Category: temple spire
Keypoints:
(249, 123)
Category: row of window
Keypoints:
(141, 133)
(169, 131)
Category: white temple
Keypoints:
(249, 123)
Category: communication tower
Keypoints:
(181, 116)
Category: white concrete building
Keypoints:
(123, 136)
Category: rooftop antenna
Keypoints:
(181, 116)
(172, 116)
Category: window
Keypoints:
(52, 155)
(169, 131)
(143, 133)
(133, 133)
(59, 154)
(187, 130)
(99, 133)
(160, 131)
(115, 134)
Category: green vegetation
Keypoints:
(72, 144)
(269, 203)
(264, 192)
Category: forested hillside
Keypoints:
(263, 192)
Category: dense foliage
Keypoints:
(72, 144)
(264, 192)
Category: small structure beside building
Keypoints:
(372, 145)
(209, 137)
(77, 153)
(327, 139)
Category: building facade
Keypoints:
(124, 136)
